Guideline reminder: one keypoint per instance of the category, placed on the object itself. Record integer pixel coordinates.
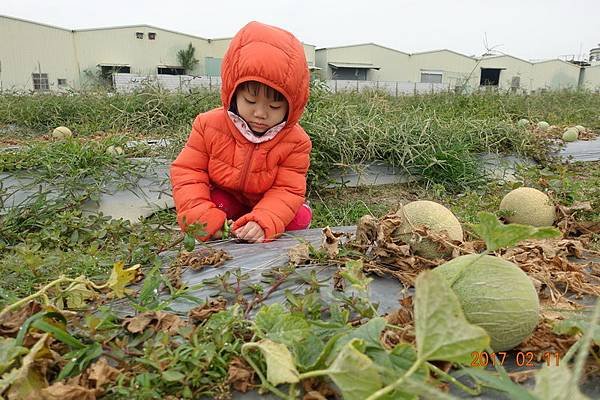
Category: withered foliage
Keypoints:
(202, 258)
(12, 321)
(204, 311)
(241, 375)
(318, 389)
(158, 320)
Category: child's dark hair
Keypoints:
(254, 87)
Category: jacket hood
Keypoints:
(269, 55)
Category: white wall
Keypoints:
(120, 46)
(394, 64)
(591, 78)
(456, 69)
(555, 74)
(27, 48)
(510, 67)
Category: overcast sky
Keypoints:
(529, 29)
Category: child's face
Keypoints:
(259, 110)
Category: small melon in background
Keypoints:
(528, 206)
(543, 126)
(523, 123)
(62, 132)
(496, 295)
(436, 218)
(579, 128)
(570, 135)
(114, 150)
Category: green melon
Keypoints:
(496, 295)
(543, 126)
(570, 135)
(114, 150)
(61, 132)
(432, 215)
(523, 123)
(528, 206)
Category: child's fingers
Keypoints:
(242, 232)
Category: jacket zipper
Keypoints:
(244, 173)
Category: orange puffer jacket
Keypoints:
(269, 177)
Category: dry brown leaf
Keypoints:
(403, 319)
(207, 309)
(403, 315)
(12, 321)
(366, 230)
(554, 311)
(313, 395)
(330, 243)
(240, 375)
(159, 320)
(543, 340)
(577, 206)
(197, 260)
(317, 389)
(138, 323)
(547, 261)
(63, 391)
(174, 275)
(28, 381)
(339, 283)
(100, 372)
(522, 376)
(299, 254)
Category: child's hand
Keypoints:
(251, 232)
(224, 232)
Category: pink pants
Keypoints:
(234, 209)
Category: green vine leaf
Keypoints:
(442, 331)
(280, 363)
(498, 235)
(354, 373)
(554, 383)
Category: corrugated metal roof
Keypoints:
(360, 45)
(441, 50)
(353, 65)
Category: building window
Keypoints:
(139, 35)
(62, 82)
(171, 71)
(40, 81)
(151, 35)
(431, 77)
(108, 70)
(490, 76)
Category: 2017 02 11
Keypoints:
(522, 359)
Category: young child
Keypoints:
(247, 161)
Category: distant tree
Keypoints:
(186, 58)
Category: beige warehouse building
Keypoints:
(591, 77)
(36, 56)
(443, 66)
(367, 61)
(372, 62)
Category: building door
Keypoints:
(490, 76)
(350, 74)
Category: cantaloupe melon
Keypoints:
(570, 135)
(528, 206)
(496, 295)
(61, 132)
(435, 217)
(523, 123)
(114, 150)
(543, 126)
(579, 128)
